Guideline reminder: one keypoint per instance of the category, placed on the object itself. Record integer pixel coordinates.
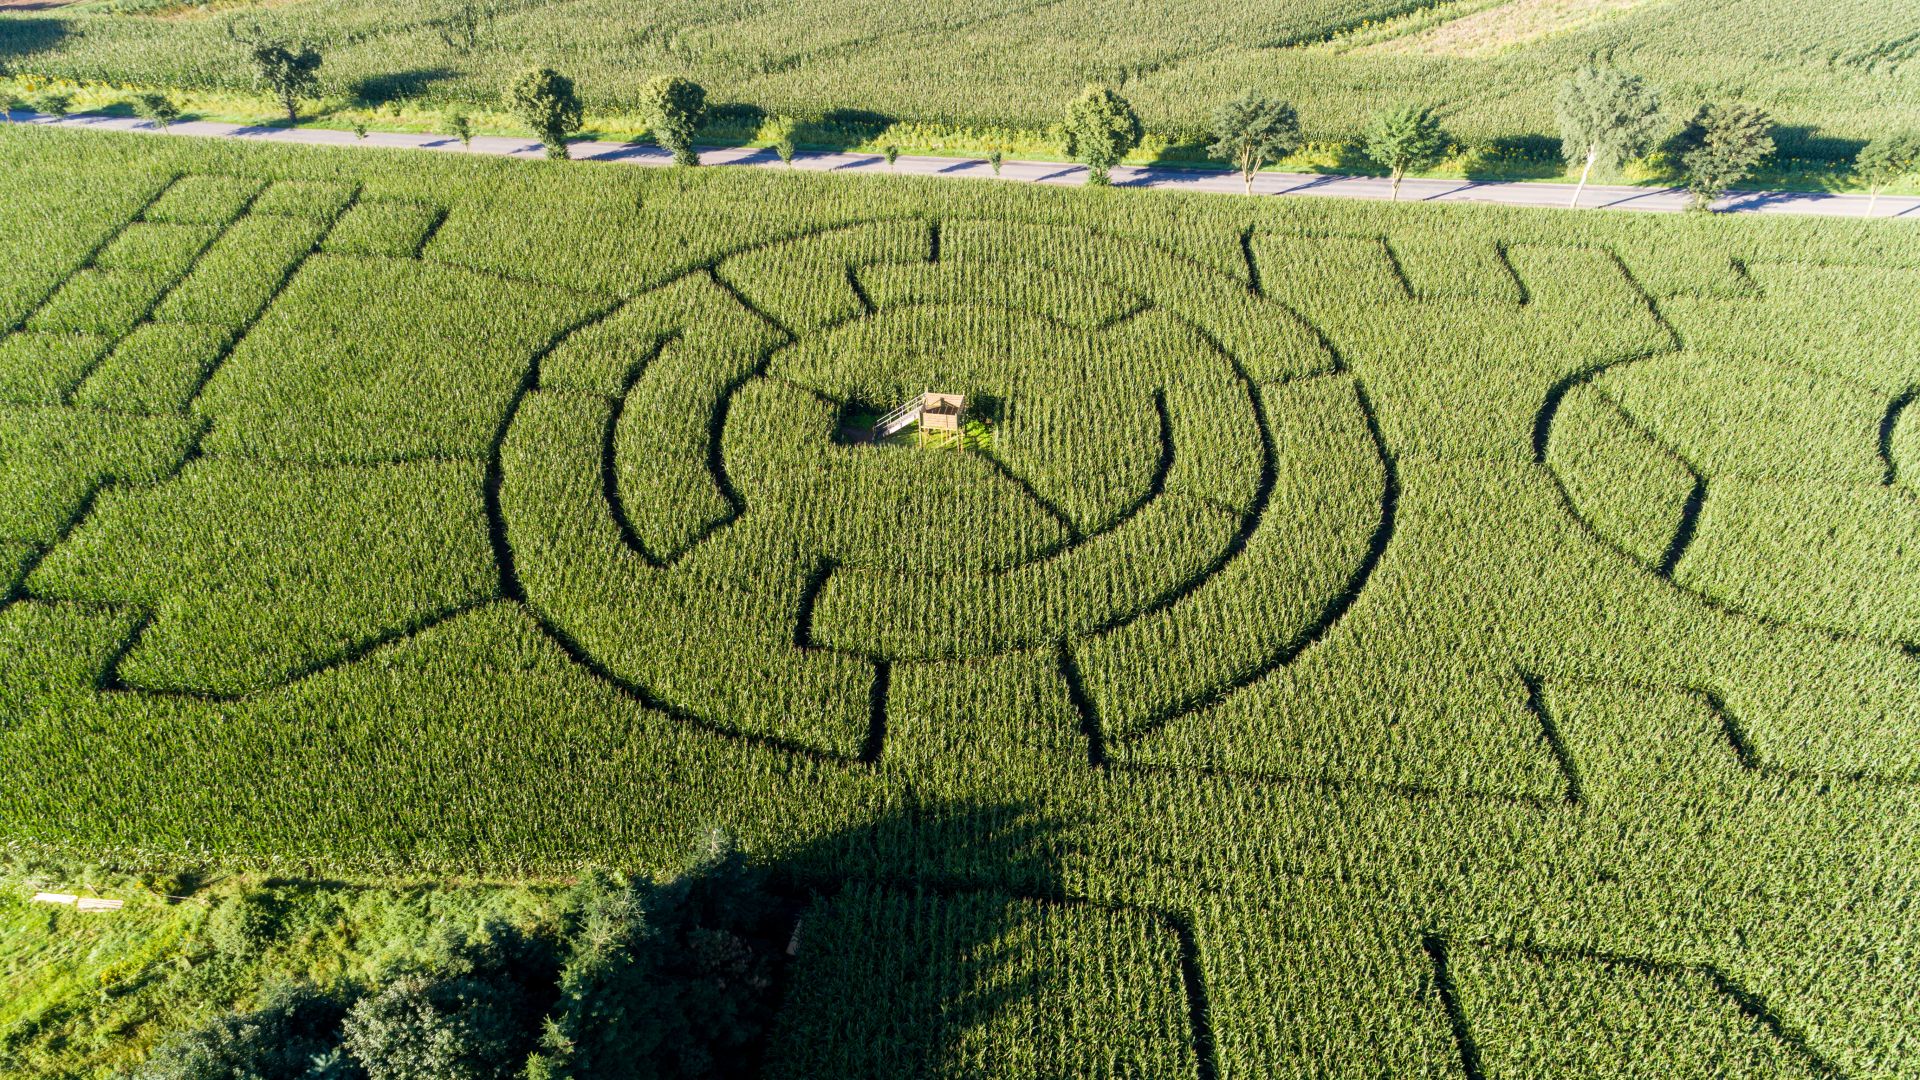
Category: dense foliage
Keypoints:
(1405, 139)
(289, 70)
(1253, 130)
(1100, 129)
(1393, 641)
(1721, 145)
(1607, 117)
(611, 979)
(674, 108)
(544, 100)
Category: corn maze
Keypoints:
(1432, 643)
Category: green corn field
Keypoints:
(1375, 641)
(978, 72)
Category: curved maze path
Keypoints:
(1173, 457)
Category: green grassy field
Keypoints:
(1408, 641)
(965, 72)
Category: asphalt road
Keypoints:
(1499, 192)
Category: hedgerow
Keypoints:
(1392, 643)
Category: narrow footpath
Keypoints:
(1499, 192)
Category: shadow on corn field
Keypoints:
(936, 938)
(380, 89)
(24, 37)
(942, 940)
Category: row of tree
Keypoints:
(1607, 117)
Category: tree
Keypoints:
(472, 1012)
(1403, 139)
(1101, 127)
(1252, 130)
(1886, 161)
(461, 128)
(543, 99)
(8, 103)
(1720, 146)
(157, 108)
(288, 70)
(1606, 117)
(667, 980)
(674, 108)
(994, 158)
(781, 137)
(891, 153)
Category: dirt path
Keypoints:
(1499, 192)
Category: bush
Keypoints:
(51, 102)
(158, 108)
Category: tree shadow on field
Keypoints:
(24, 37)
(735, 123)
(1810, 143)
(905, 944)
(1514, 157)
(881, 949)
(842, 129)
(397, 85)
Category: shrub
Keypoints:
(243, 927)
(158, 108)
(51, 103)
(781, 137)
(292, 1035)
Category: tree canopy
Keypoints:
(1887, 160)
(1101, 127)
(1607, 117)
(674, 108)
(1252, 130)
(544, 100)
(1720, 146)
(1405, 138)
(288, 70)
